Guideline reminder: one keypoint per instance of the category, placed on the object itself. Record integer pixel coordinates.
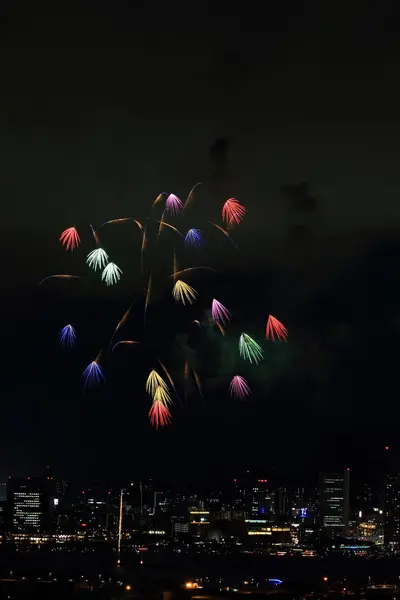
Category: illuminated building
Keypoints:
(30, 504)
(392, 511)
(334, 501)
(3, 491)
(253, 498)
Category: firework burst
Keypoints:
(70, 238)
(159, 415)
(93, 374)
(182, 292)
(239, 388)
(249, 349)
(194, 238)
(97, 259)
(219, 312)
(67, 336)
(233, 211)
(275, 328)
(173, 205)
(111, 274)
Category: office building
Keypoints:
(392, 511)
(30, 504)
(334, 501)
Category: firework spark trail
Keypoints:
(249, 349)
(175, 265)
(131, 342)
(275, 328)
(165, 224)
(143, 247)
(146, 303)
(194, 238)
(67, 337)
(97, 259)
(219, 312)
(197, 323)
(173, 205)
(61, 276)
(233, 211)
(159, 415)
(222, 330)
(198, 383)
(171, 381)
(70, 239)
(95, 236)
(120, 324)
(225, 234)
(182, 292)
(158, 199)
(191, 195)
(239, 388)
(111, 274)
(190, 270)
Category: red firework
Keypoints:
(159, 415)
(275, 328)
(233, 211)
(70, 238)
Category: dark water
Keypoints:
(177, 568)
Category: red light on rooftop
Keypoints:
(83, 524)
(28, 477)
(347, 469)
(386, 447)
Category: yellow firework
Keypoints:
(155, 381)
(162, 395)
(182, 292)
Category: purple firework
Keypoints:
(93, 374)
(194, 237)
(239, 388)
(67, 336)
(219, 313)
(173, 205)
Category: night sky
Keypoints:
(103, 109)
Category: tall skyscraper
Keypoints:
(334, 501)
(392, 511)
(30, 504)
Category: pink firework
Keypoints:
(70, 238)
(275, 328)
(159, 415)
(233, 211)
(219, 313)
(173, 205)
(239, 388)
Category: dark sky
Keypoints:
(103, 109)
